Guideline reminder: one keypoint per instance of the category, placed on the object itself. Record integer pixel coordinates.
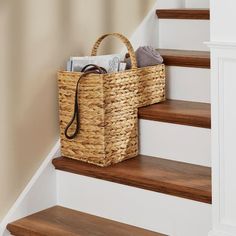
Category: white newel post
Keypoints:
(223, 93)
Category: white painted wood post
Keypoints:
(223, 93)
(224, 138)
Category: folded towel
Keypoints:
(146, 56)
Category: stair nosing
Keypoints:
(184, 14)
(155, 112)
(185, 58)
(58, 220)
(147, 182)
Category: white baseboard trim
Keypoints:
(219, 233)
(147, 32)
(40, 192)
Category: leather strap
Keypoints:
(87, 70)
(93, 67)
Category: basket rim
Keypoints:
(113, 73)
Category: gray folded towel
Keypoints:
(146, 56)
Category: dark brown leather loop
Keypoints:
(87, 70)
(93, 67)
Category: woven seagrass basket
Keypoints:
(108, 105)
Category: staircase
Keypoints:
(167, 188)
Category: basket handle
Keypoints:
(124, 40)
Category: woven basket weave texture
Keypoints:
(108, 105)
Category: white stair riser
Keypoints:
(197, 3)
(167, 4)
(184, 34)
(175, 142)
(146, 209)
(189, 84)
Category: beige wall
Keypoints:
(36, 38)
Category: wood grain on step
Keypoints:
(185, 58)
(184, 13)
(179, 112)
(60, 221)
(150, 173)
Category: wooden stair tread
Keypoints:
(179, 112)
(184, 13)
(185, 58)
(60, 221)
(150, 173)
